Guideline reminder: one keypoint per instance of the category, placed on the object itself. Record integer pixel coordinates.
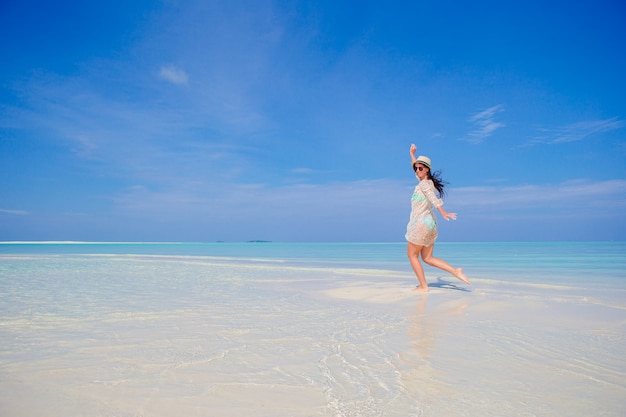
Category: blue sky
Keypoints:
(292, 120)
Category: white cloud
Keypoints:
(304, 171)
(576, 131)
(84, 146)
(15, 212)
(584, 197)
(232, 199)
(174, 75)
(362, 210)
(359, 210)
(484, 124)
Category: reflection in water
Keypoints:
(418, 365)
(425, 324)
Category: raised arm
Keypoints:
(412, 152)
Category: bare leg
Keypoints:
(427, 256)
(413, 252)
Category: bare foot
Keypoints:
(460, 275)
(421, 288)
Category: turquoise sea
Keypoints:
(311, 329)
(549, 262)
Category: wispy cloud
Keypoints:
(358, 209)
(485, 124)
(292, 212)
(174, 75)
(576, 131)
(123, 137)
(580, 197)
(304, 171)
(14, 212)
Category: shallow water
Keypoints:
(99, 333)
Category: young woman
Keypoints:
(421, 232)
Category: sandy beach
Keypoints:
(197, 336)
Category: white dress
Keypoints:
(422, 227)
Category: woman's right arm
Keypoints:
(412, 152)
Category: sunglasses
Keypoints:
(418, 168)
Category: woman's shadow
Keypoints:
(441, 283)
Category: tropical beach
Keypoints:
(289, 330)
(269, 208)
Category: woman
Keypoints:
(421, 232)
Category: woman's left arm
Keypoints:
(428, 189)
(445, 214)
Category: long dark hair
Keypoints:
(438, 182)
(435, 177)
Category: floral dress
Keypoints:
(422, 227)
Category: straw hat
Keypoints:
(424, 160)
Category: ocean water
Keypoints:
(275, 329)
(534, 261)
